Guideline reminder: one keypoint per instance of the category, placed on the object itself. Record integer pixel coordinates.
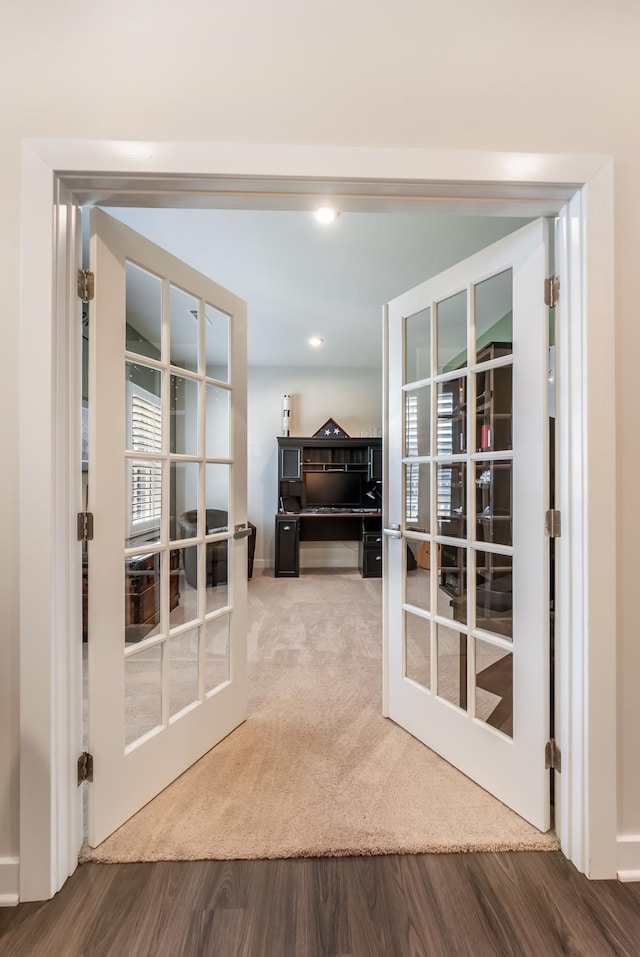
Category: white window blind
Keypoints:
(412, 472)
(145, 477)
(444, 446)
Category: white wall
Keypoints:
(353, 397)
(252, 72)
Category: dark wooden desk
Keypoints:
(327, 526)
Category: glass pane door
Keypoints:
(468, 608)
(167, 484)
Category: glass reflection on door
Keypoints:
(417, 346)
(178, 478)
(458, 494)
(452, 333)
(417, 632)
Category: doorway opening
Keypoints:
(479, 233)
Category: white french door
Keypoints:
(167, 572)
(466, 555)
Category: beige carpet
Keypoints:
(316, 770)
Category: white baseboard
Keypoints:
(9, 881)
(260, 563)
(629, 857)
(346, 558)
(313, 562)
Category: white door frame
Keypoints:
(56, 176)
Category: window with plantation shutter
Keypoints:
(412, 472)
(444, 446)
(145, 475)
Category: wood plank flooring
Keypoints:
(453, 905)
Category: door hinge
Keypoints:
(86, 285)
(552, 525)
(85, 526)
(551, 290)
(85, 767)
(552, 756)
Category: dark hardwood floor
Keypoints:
(450, 905)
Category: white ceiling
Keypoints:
(301, 279)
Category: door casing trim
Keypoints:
(50, 665)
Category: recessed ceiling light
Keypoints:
(315, 341)
(326, 214)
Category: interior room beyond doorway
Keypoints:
(302, 279)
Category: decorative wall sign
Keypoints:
(330, 430)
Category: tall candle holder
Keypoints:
(286, 414)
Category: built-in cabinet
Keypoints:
(370, 547)
(297, 456)
(287, 563)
